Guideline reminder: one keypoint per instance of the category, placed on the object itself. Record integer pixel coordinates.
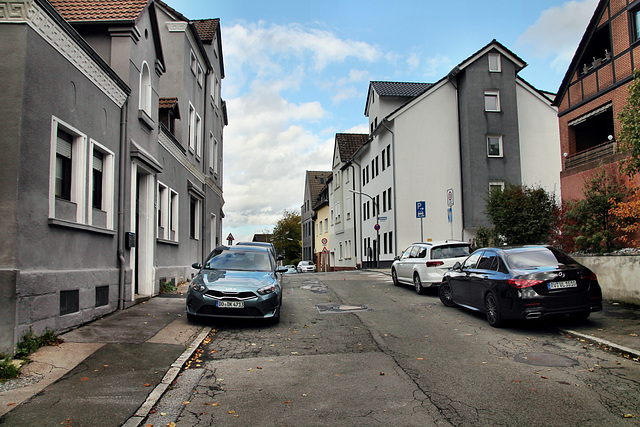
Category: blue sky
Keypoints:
(297, 73)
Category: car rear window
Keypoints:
(535, 258)
(451, 251)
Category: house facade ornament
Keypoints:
(23, 11)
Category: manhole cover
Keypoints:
(345, 308)
(318, 289)
(545, 359)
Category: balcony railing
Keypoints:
(598, 152)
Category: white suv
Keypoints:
(306, 267)
(423, 264)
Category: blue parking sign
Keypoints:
(421, 209)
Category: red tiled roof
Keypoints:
(99, 10)
(206, 29)
(167, 102)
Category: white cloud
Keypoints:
(271, 139)
(557, 32)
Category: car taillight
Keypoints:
(434, 263)
(523, 283)
(591, 276)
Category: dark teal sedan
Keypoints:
(236, 282)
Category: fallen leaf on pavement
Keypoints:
(231, 412)
(84, 378)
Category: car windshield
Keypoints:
(239, 260)
(452, 251)
(536, 258)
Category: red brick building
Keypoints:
(594, 91)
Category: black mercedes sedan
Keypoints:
(524, 282)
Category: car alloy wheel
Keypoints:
(394, 277)
(445, 294)
(493, 311)
(418, 284)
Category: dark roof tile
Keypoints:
(206, 29)
(404, 89)
(348, 144)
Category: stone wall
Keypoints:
(619, 275)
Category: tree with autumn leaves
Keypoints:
(626, 212)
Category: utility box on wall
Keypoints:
(130, 240)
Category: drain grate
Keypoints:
(344, 308)
(546, 359)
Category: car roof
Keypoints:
(243, 248)
(442, 242)
(255, 244)
(516, 248)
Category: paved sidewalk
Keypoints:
(107, 373)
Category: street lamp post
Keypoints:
(377, 227)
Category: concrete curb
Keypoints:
(635, 354)
(172, 373)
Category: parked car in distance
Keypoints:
(306, 267)
(525, 282)
(423, 264)
(236, 282)
(291, 269)
(267, 245)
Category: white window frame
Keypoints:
(495, 63)
(193, 62)
(174, 202)
(199, 75)
(145, 89)
(214, 231)
(338, 212)
(213, 145)
(192, 127)
(492, 94)
(489, 137)
(79, 165)
(196, 218)
(198, 135)
(493, 184)
(108, 183)
(348, 209)
(163, 210)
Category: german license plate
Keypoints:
(563, 285)
(230, 304)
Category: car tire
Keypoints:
(394, 277)
(276, 319)
(417, 283)
(492, 310)
(445, 294)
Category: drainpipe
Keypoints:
(395, 192)
(121, 194)
(205, 165)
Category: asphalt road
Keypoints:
(352, 349)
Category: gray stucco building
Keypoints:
(112, 179)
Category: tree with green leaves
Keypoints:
(287, 237)
(590, 221)
(521, 214)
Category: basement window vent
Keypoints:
(69, 302)
(102, 296)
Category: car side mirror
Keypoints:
(396, 258)
(280, 257)
(457, 266)
(196, 265)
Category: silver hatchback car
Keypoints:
(423, 264)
